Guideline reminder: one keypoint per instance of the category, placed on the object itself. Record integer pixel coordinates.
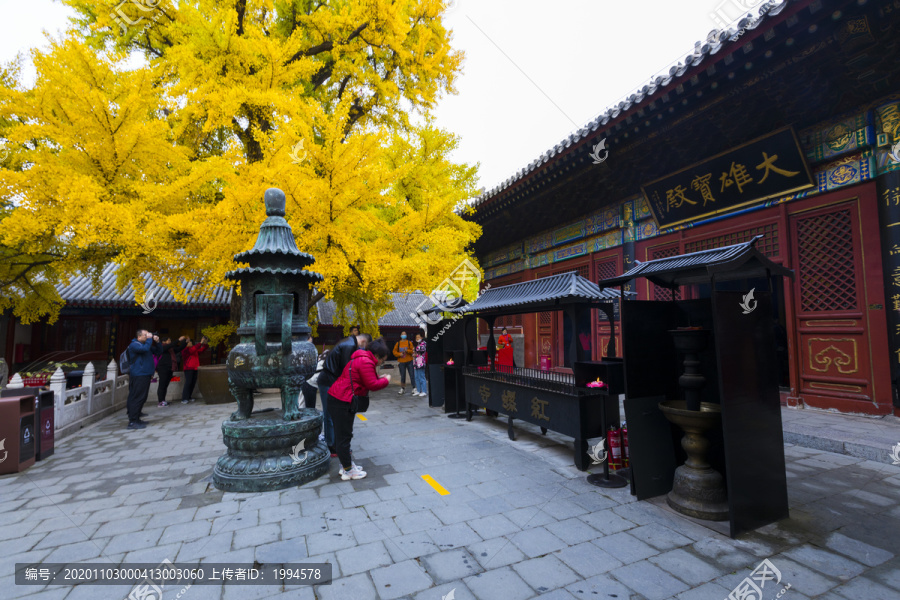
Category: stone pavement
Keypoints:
(519, 521)
(863, 437)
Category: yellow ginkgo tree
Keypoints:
(154, 128)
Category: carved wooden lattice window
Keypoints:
(768, 245)
(661, 293)
(607, 269)
(827, 270)
(545, 318)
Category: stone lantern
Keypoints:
(281, 448)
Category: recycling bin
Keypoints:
(46, 422)
(17, 434)
(44, 418)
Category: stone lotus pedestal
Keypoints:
(267, 453)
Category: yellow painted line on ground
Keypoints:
(361, 417)
(437, 487)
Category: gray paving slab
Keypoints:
(649, 580)
(499, 583)
(364, 557)
(600, 586)
(451, 565)
(546, 573)
(400, 579)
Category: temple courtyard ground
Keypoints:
(519, 520)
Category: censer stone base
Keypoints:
(699, 493)
(267, 453)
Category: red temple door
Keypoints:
(837, 365)
(605, 267)
(545, 327)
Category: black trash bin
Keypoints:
(45, 412)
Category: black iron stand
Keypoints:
(606, 480)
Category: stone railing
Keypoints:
(91, 402)
(88, 403)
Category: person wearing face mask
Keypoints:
(419, 363)
(403, 351)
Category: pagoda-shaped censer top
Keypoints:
(276, 267)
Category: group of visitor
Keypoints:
(146, 354)
(411, 358)
(344, 375)
(348, 372)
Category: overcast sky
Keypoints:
(535, 71)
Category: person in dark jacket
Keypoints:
(165, 366)
(190, 356)
(332, 368)
(308, 389)
(140, 359)
(360, 376)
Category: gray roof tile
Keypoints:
(80, 292)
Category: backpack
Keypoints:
(124, 363)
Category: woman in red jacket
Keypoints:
(362, 368)
(190, 358)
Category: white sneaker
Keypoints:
(355, 472)
(402, 390)
(423, 394)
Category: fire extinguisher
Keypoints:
(625, 454)
(615, 447)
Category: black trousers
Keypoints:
(165, 376)
(342, 420)
(406, 367)
(190, 380)
(309, 395)
(138, 388)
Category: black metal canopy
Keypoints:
(555, 292)
(741, 261)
